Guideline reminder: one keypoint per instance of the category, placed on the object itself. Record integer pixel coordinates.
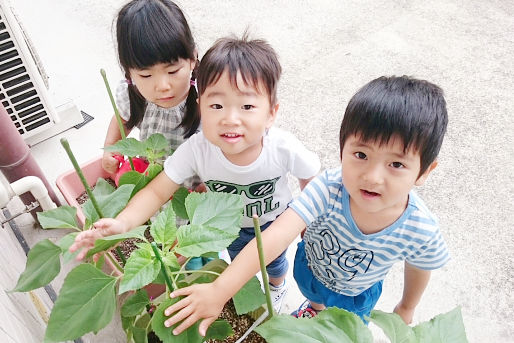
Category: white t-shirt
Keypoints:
(263, 183)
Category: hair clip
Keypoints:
(193, 83)
(129, 82)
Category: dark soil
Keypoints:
(83, 197)
(240, 324)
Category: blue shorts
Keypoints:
(277, 268)
(315, 291)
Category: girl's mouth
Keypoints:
(231, 137)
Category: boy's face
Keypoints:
(236, 118)
(380, 177)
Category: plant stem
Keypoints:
(163, 268)
(116, 113)
(264, 274)
(66, 146)
(114, 262)
(178, 272)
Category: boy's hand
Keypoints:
(103, 228)
(202, 301)
(406, 313)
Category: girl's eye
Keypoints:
(145, 76)
(247, 107)
(397, 165)
(216, 106)
(360, 155)
(173, 72)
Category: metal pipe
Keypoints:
(16, 161)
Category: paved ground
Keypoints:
(328, 50)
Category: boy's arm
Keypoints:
(415, 282)
(139, 209)
(205, 301)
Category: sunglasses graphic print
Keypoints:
(261, 192)
(256, 190)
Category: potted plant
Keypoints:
(87, 300)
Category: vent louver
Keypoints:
(22, 89)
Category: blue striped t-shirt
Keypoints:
(348, 261)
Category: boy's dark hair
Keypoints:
(255, 60)
(149, 32)
(414, 110)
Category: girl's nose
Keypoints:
(162, 83)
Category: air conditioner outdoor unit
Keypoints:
(23, 85)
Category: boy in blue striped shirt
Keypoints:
(360, 218)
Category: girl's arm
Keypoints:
(109, 163)
(139, 209)
(414, 284)
(205, 301)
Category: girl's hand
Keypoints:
(200, 302)
(109, 163)
(103, 228)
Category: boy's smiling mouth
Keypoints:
(231, 137)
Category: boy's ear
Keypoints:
(273, 115)
(421, 180)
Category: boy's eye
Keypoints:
(360, 155)
(247, 107)
(397, 165)
(216, 106)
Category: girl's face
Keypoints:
(164, 84)
(236, 118)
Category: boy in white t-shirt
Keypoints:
(237, 151)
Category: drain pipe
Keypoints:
(31, 184)
(16, 161)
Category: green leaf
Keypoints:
(156, 146)
(135, 304)
(331, 325)
(65, 243)
(446, 327)
(130, 147)
(393, 326)
(219, 330)
(179, 202)
(196, 240)
(163, 229)
(86, 303)
(43, 265)
(140, 335)
(110, 204)
(105, 243)
(153, 170)
(102, 187)
(191, 335)
(135, 178)
(219, 210)
(249, 297)
(171, 260)
(217, 266)
(140, 270)
(62, 217)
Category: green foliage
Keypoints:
(86, 303)
(153, 148)
(63, 217)
(446, 327)
(42, 266)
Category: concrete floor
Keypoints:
(328, 50)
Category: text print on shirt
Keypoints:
(352, 261)
(260, 191)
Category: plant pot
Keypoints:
(71, 187)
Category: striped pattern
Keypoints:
(347, 261)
